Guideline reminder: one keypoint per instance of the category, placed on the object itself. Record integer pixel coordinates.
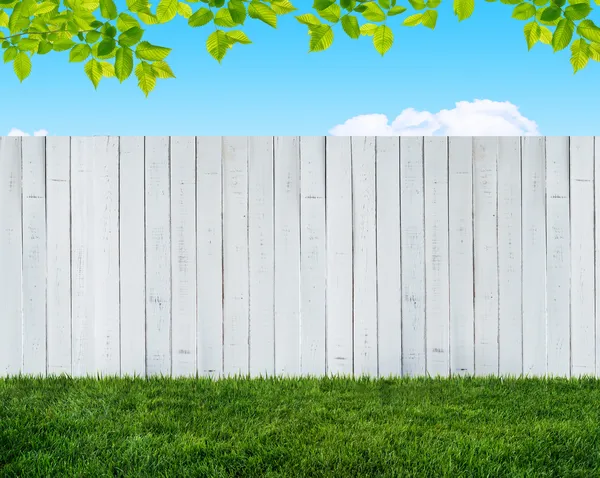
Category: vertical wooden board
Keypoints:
(339, 312)
(460, 233)
(11, 326)
(82, 260)
(235, 249)
(209, 256)
(389, 286)
(132, 255)
(183, 254)
(34, 256)
(534, 254)
(510, 328)
(58, 236)
(365, 256)
(413, 256)
(558, 262)
(313, 257)
(485, 151)
(287, 256)
(597, 245)
(158, 256)
(106, 255)
(436, 256)
(261, 255)
(582, 256)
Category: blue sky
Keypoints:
(275, 87)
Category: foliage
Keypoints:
(29, 27)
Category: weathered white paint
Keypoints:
(299, 256)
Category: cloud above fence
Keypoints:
(477, 118)
(18, 132)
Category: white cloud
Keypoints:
(477, 118)
(18, 132)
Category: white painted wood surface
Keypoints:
(299, 256)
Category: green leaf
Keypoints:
(147, 51)
(237, 9)
(588, 30)
(146, 77)
(238, 36)
(79, 53)
(396, 11)
(368, 29)
(148, 18)
(97, 54)
(262, 12)
(125, 22)
(308, 19)
(429, 19)
(123, 63)
(63, 44)
(3, 19)
(350, 26)
(162, 70)
(331, 13)
(413, 20)
(166, 10)
(217, 44)
(594, 51)
(540, 3)
(545, 35)
(579, 54)
(383, 39)
(321, 38)
(373, 12)
(563, 34)
(92, 37)
(523, 11)
(281, 7)
(463, 9)
(578, 11)
(433, 3)
(184, 10)
(28, 44)
(106, 47)
(93, 70)
(108, 10)
(10, 53)
(532, 34)
(551, 13)
(384, 4)
(200, 18)
(559, 3)
(22, 66)
(131, 36)
(44, 47)
(417, 4)
(223, 18)
(322, 4)
(45, 7)
(108, 70)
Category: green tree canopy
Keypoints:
(28, 27)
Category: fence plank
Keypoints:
(558, 260)
(132, 246)
(209, 250)
(58, 236)
(106, 254)
(158, 256)
(313, 257)
(389, 286)
(183, 254)
(82, 263)
(339, 256)
(597, 246)
(485, 151)
(414, 357)
(11, 351)
(582, 256)
(235, 247)
(261, 256)
(460, 206)
(34, 256)
(287, 256)
(436, 256)
(365, 257)
(534, 249)
(510, 326)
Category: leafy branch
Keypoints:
(39, 27)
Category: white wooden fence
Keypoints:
(299, 255)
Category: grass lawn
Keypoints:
(334, 427)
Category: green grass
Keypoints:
(338, 427)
